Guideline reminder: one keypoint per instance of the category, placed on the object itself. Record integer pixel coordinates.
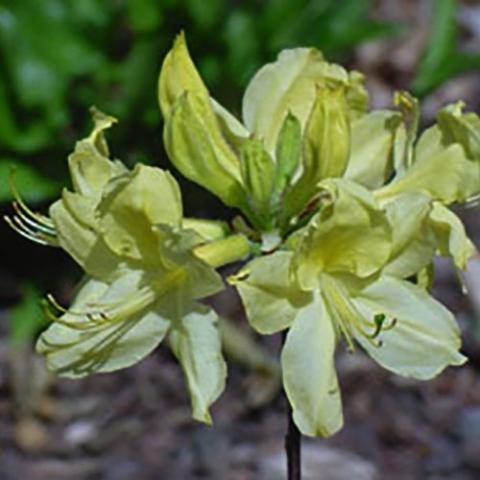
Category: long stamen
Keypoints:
(16, 195)
(29, 224)
(103, 324)
(38, 222)
(472, 202)
(347, 315)
(24, 234)
(95, 318)
(342, 326)
(18, 224)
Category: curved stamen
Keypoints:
(35, 222)
(30, 230)
(472, 202)
(24, 234)
(94, 318)
(347, 315)
(23, 206)
(379, 320)
(27, 223)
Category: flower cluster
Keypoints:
(342, 211)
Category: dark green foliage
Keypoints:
(442, 58)
(59, 57)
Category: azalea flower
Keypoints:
(303, 121)
(331, 283)
(355, 206)
(440, 168)
(146, 267)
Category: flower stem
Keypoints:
(292, 444)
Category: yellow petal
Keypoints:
(178, 75)
(288, 85)
(309, 374)
(196, 146)
(425, 338)
(131, 206)
(350, 234)
(371, 150)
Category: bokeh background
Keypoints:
(59, 57)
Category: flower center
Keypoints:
(348, 319)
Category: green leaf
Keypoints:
(144, 15)
(204, 14)
(442, 59)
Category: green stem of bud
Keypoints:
(224, 251)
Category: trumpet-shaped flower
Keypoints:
(304, 121)
(144, 273)
(332, 284)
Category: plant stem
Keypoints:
(292, 444)
(293, 449)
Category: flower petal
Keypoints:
(425, 338)
(460, 127)
(413, 244)
(350, 234)
(196, 146)
(90, 167)
(195, 341)
(371, 150)
(177, 76)
(270, 297)
(447, 176)
(451, 236)
(288, 85)
(327, 134)
(77, 233)
(80, 345)
(309, 373)
(131, 206)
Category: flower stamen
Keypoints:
(29, 224)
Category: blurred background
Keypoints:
(59, 57)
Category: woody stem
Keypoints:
(292, 445)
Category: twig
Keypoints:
(292, 445)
